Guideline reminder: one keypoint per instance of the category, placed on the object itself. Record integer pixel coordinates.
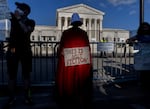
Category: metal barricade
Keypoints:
(117, 66)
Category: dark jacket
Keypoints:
(19, 39)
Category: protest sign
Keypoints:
(76, 56)
(106, 46)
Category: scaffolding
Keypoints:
(4, 10)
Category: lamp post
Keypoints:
(141, 11)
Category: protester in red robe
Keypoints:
(74, 74)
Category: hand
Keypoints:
(17, 15)
(13, 50)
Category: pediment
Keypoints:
(80, 8)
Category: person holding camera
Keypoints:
(19, 50)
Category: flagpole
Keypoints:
(141, 20)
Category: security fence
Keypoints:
(109, 65)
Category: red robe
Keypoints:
(74, 76)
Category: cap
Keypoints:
(24, 7)
(75, 19)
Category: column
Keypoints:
(59, 23)
(60, 28)
(98, 29)
(95, 27)
(100, 24)
(66, 23)
(90, 22)
(84, 23)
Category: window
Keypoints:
(38, 38)
(44, 38)
(33, 38)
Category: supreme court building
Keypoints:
(92, 23)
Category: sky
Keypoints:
(119, 14)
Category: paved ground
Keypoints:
(116, 96)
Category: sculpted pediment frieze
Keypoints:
(81, 8)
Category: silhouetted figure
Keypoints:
(74, 74)
(19, 50)
(103, 53)
(143, 36)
